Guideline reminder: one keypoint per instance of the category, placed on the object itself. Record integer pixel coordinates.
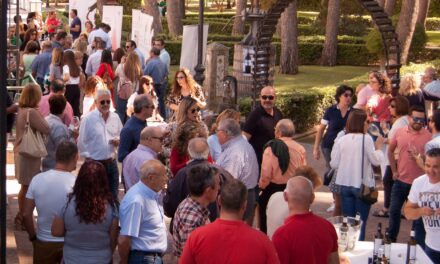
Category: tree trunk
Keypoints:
(329, 52)
(389, 7)
(289, 40)
(174, 18)
(423, 11)
(152, 10)
(381, 3)
(406, 26)
(182, 8)
(99, 6)
(238, 27)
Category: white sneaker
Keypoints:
(331, 208)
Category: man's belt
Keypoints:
(146, 253)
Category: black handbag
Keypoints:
(367, 194)
(328, 176)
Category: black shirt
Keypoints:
(261, 126)
(335, 123)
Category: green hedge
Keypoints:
(433, 23)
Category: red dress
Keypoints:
(102, 70)
(178, 161)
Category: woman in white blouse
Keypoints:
(347, 155)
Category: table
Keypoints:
(364, 250)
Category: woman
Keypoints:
(347, 155)
(58, 130)
(118, 58)
(30, 35)
(145, 87)
(80, 45)
(105, 70)
(56, 66)
(89, 221)
(89, 26)
(93, 83)
(129, 74)
(215, 148)
(27, 167)
(72, 77)
(185, 86)
(377, 105)
(412, 92)
(30, 53)
(334, 119)
(399, 108)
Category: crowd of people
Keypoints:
(101, 105)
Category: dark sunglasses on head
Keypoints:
(195, 110)
(267, 97)
(103, 102)
(420, 120)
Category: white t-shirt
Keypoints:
(72, 80)
(49, 191)
(88, 102)
(426, 194)
(276, 212)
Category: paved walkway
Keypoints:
(19, 249)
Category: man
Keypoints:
(434, 125)
(203, 184)
(431, 89)
(40, 65)
(159, 43)
(102, 33)
(143, 236)
(228, 239)
(75, 25)
(131, 46)
(48, 193)
(409, 141)
(423, 201)
(150, 145)
(238, 158)
(60, 39)
(304, 237)
(260, 124)
(99, 137)
(56, 87)
(94, 60)
(130, 134)
(158, 71)
(280, 159)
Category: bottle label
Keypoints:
(343, 240)
(377, 244)
(412, 252)
(387, 251)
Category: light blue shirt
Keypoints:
(165, 58)
(131, 166)
(433, 143)
(215, 149)
(93, 63)
(142, 218)
(101, 34)
(239, 159)
(141, 57)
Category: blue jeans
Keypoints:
(419, 229)
(138, 257)
(399, 194)
(161, 90)
(433, 254)
(113, 177)
(351, 204)
(121, 109)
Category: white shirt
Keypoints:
(49, 191)
(72, 80)
(425, 194)
(165, 58)
(399, 123)
(95, 134)
(276, 212)
(346, 157)
(93, 63)
(103, 35)
(88, 101)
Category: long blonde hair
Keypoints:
(57, 57)
(132, 67)
(408, 85)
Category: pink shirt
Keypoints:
(406, 139)
(44, 109)
(363, 96)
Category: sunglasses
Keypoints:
(158, 138)
(180, 77)
(103, 102)
(195, 110)
(127, 47)
(392, 106)
(346, 95)
(267, 97)
(420, 120)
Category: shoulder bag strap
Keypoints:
(363, 154)
(27, 117)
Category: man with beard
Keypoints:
(409, 141)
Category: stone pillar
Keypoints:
(217, 62)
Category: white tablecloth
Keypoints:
(364, 250)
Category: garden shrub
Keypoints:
(433, 23)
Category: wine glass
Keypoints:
(374, 130)
(75, 122)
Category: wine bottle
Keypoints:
(378, 241)
(387, 245)
(343, 235)
(411, 249)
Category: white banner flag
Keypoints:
(112, 15)
(190, 49)
(141, 31)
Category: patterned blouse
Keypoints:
(173, 99)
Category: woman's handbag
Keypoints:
(328, 176)
(32, 143)
(367, 194)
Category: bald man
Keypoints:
(143, 231)
(297, 240)
(150, 145)
(260, 124)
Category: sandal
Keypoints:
(18, 222)
(381, 213)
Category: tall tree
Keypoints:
(423, 11)
(406, 26)
(174, 18)
(389, 7)
(238, 27)
(289, 40)
(150, 7)
(182, 8)
(328, 57)
(99, 6)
